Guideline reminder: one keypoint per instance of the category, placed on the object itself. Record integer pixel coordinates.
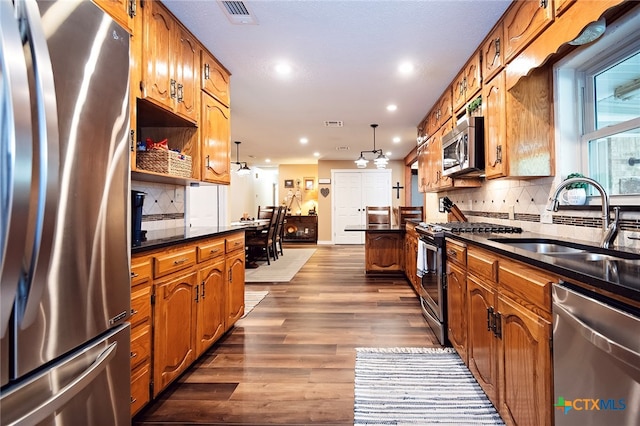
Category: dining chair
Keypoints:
(378, 215)
(265, 212)
(279, 234)
(410, 212)
(264, 241)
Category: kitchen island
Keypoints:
(384, 248)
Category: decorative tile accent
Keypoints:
(163, 205)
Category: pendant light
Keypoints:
(243, 170)
(380, 160)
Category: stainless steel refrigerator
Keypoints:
(64, 165)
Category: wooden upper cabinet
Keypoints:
(560, 6)
(441, 112)
(439, 181)
(122, 11)
(467, 84)
(186, 72)
(170, 63)
(523, 21)
(215, 79)
(495, 139)
(215, 141)
(492, 53)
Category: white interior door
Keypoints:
(353, 190)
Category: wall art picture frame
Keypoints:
(309, 184)
(288, 183)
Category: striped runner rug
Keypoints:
(251, 300)
(425, 386)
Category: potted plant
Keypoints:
(576, 192)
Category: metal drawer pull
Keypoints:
(180, 261)
(134, 275)
(134, 354)
(214, 251)
(133, 312)
(452, 253)
(133, 399)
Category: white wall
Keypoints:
(246, 193)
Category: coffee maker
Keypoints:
(137, 201)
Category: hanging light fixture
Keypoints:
(380, 160)
(243, 170)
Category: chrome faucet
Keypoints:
(609, 230)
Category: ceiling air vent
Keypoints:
(333, 124)
(238, 13)
(342, 148)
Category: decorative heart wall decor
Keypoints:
(324, 192)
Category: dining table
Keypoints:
(252, 226)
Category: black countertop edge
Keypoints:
(594, 274)
(170, 237)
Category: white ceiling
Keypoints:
(344, 57)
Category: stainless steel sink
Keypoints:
(546, 248)
(567, 250)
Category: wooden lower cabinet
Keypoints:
(235, 289)
(210, 324)
(482, 351)
(384, 251)
(411, 256)
(197, 291)
(524, 364)
(509, 336)
(457, 309)
(174, 328)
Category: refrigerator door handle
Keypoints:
(47, 166)
(15, 159)
(602, 342)
(65, 394)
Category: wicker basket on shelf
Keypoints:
(163, 161)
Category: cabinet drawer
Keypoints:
(140, 345)
(528, 283)
(456, 252)
(235, 242)
(140, 305)
(140, 394)
(482, 263)
(210, 249)
(140, 270)
(173, 261)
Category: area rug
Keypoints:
(251, 300)
(425, 386)
(281, 270)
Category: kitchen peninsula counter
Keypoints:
(384, 247)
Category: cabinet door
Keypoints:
(523, 22)
(215, 133)
(173, 325)
(156, 65)
(492, 53)
(187, 60)
(215, 79)
(440, 181)
(524, 365)
(493, 94)
(383, 252)
(210, 311)
(472, 77)
(457, 90)
(235, 287)
(482, 345)
(120, 10)
(422, 167)
(457, 309)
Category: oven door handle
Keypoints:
(427, 245)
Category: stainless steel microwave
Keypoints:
(463, 148)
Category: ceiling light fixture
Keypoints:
(243, 170)
(392, 107)
(380, 160)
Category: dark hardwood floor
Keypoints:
(291, 360)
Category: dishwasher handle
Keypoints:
(616, 350)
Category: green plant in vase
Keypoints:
(576, 185)
(576, 192)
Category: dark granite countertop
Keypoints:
(376, 228)
(168, 237)
(620, 277)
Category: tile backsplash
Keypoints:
(163, 207)
(523, 203)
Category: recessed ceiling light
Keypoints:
(316, 154)
(396, 139)
(388, 154)
(268, 160)
(392, 107)
(304, 140)
(405, 68)
(283, 68)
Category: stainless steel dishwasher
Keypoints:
(596, 359)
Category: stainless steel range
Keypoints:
(431, 267)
